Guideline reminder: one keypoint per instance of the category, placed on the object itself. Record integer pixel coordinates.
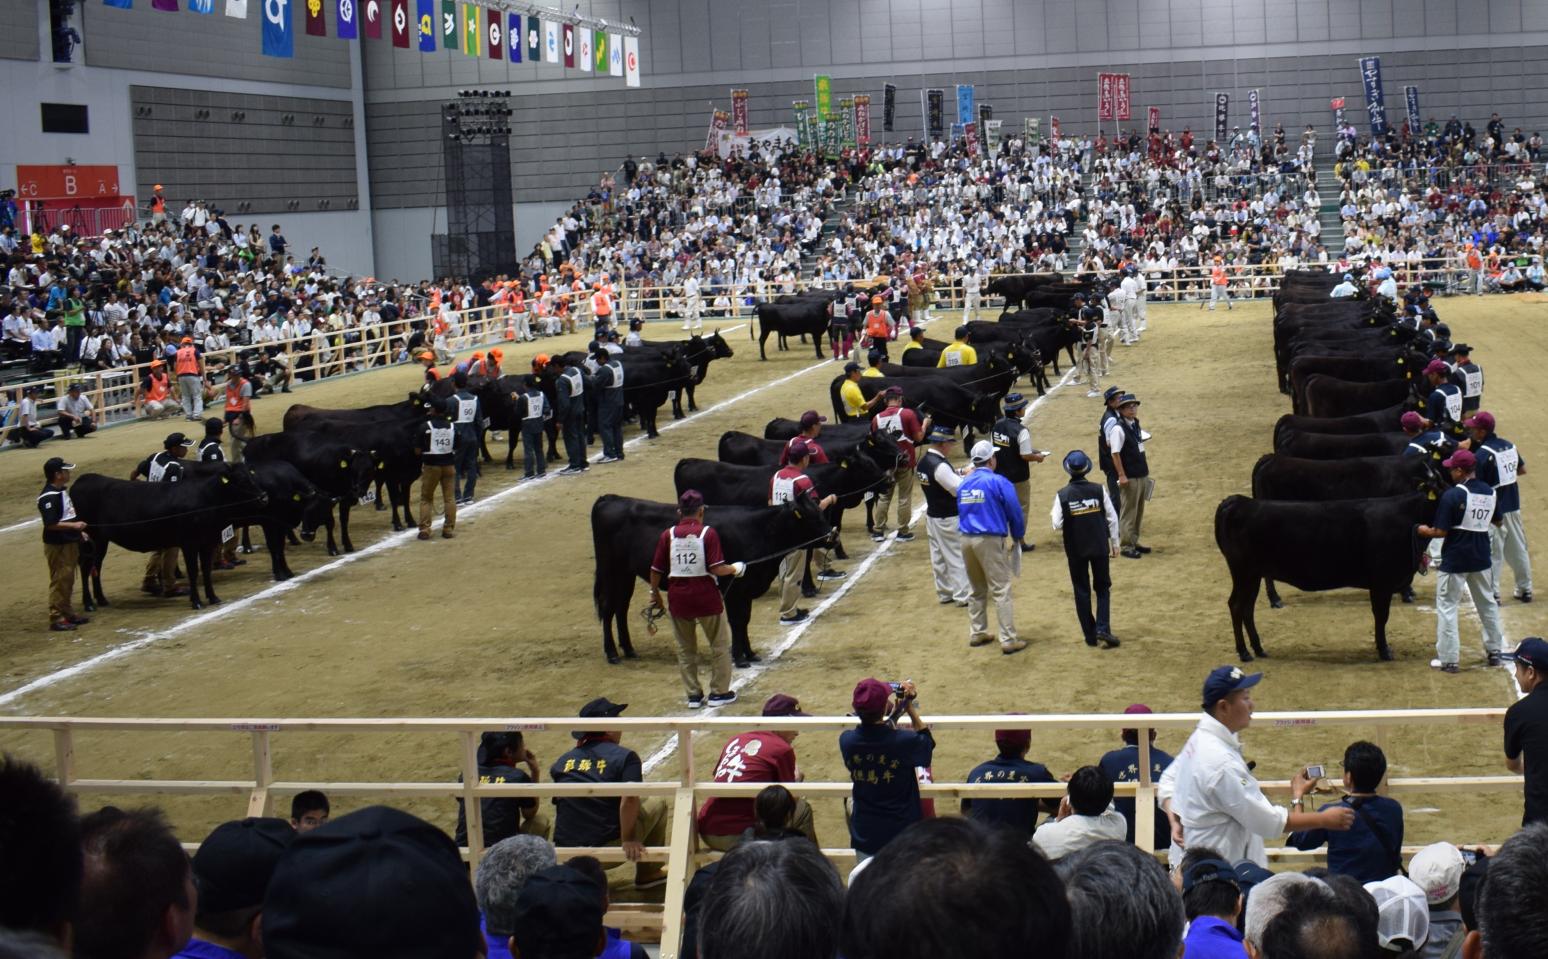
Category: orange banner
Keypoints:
(60, 182)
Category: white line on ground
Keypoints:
(390, 541)
(793, 635)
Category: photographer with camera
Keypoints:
(882, 761)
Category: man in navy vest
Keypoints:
(1090, 524)
(1463, 519)
(1499, 465)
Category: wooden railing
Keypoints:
(255, 796)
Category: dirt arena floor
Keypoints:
(500, 621)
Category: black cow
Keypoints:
(1368, 544)
(1338, 446)
(624, 533)
(745, 449)
(1015, 289)
(190, 514)
(650, 378)
(1373, 368)
(411, 408)
(292, 500)
(698, 351)
(727, 484)
(338, 470)
(1328, 396)
(948, 403)
(1379, 421)
(394, 449)
(794, 316)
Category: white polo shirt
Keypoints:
(1214, 794)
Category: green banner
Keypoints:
(803, 117)
(824, 85)
(847, 121)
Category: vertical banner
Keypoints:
(847, 122)
(1031, 129)
(935, 115)
(583, 48)
(427, 26)
(373, 19)
(1252, 109)
(1222, 115)
(349, 19)
(201, 6)
(534, 39)
(472, 30)
(316, 24)
(599, 56)
(803, 123)
(1053, 130)
(400, 36)
(1153, 119)
(129, 5)
(1375, 103)
(515, 41)
(234, 8)
(822, 86)
(277, 38)
(614, 55)
(739, 112)
(632, 61)
(965, 111)
(1105, 96)
(168, 6)
(970, 138)
(863, 119)
(550, 42)
(497, 37)
(992, 135)
(569, 44)
(1411, 100)
(889, 106)
(718, 121)
(1122, 96)
(1337, 106)
(449, 41)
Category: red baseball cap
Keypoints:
(1481, 420)
(782, 704)
(871, 696)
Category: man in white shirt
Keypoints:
(1345, 289)
(1210, 794)
(1086, 816)
(76, 414)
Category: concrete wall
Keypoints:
(402, 235)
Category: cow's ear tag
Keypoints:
(296, 497)
(225, 479)
(1432, 494)
(798, 514)
(343, 464)
(1400, 361)
(843, 464)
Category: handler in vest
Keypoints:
(63, 533)
(156, 392)
(532, 407)
(903, 425)
(1499, 465)
(1468, 375)
(958, 353)
(1463, 519)
(239, 394)
(939, 481)
(465, 411)
(570, 400)
(1443, 406)
(787, 485)
(1110, 398)
(1013, 450)
(1219, 286)
(164, 467)
(209, 451)
(602, 308)
(437, 457)
(878, 328)
(1127, 442)
(689, 555)
(610, 404)
(1084, 512)
(189, 367)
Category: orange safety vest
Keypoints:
(601, 304)
(157, 390)
(235, 401)
(187, 361)
(158, 204)
(1217, 276)
(876, 325)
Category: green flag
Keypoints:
(824, 89)
(448, 24)
(599, 50)
(472, 30)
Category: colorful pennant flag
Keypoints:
(449, 25)
(426, 26)
(278, 41)
(349, 20)
(569, 44)
(632, 61)
(497, 36)
(316, 25)
(514, 40)
(170, 6)
(472, 29)
(599, 50)
(201, 6)
(614, 55)
(373, 19)
(534, 40)
(120, 4)
(583, 50)
(236, 9)
(400, 24)
(550, 42)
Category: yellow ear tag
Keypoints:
(343, 464)
(798, 514)
(1432, 494)
(225, 479)
(296, 497)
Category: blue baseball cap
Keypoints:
(1225, 680)
(941, 434)
(1014, 402)
(1533, 651)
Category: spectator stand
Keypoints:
(689, 788)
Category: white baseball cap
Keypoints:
(1437, 869)
(983, 452)
(1403, 916)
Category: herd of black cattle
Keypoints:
(1334, 506)
(1337, 504)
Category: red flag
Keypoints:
(400, 23)
(569, 44)
(497, 37)
(373, 18)
(316, 26)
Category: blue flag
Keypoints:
(120, 4)
(515, 38)
(349, 24)
(426, 19)
(278, 40)
(201, 6)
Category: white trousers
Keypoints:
(1507, 544)
(970, 304)
(1129, 319)
(1219, 294)
(1448, 594)
(951, 584)
(1143, 312)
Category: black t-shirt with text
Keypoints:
(592, 822)
(1526, 738)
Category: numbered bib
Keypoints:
(688, 556)
(368, 498)
(954, 358)
(1473, 380)
(891, 423)
(782, 490)
(1454, 405)
(67, 507)
(534, 407)
(1507, 463)
(441, 441)
(1478, 512)
(228, 534)
(466, 410)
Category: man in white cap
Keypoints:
(1437, 869)
(990, 522)
(1402, 915)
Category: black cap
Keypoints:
(851, 367)
(54, 465)
(378, 882)
(559, 913)
(231, 870)
(600, 707)
(175, 440)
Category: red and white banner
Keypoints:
(1053, 130)
(863, 119)
(1113, 96)
(65, 182)
(1105, 96)
(970, 138)
(1121, 98)
(718, 121)
(739, 112)
(1153, 118)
